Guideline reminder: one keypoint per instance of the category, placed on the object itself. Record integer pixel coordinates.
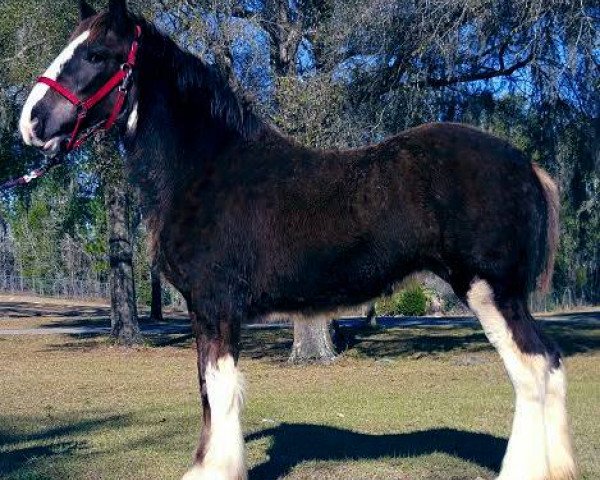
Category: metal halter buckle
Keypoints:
(128, 69)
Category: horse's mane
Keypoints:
(227, 103)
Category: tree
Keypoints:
(124, 317)
(312, 341)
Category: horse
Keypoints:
(244, 221)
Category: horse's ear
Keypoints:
(85, 10)
(118, 13)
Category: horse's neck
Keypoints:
(175, 131)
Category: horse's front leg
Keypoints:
(220, 454)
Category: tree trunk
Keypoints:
(124, 318)
(312, 341)
(156, 306)
(372, 315)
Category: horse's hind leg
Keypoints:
(220, 454)
(558, 439)
(539, 446)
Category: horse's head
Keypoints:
(98, 50)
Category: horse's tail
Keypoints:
(551, 195)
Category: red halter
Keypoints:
(121, 79)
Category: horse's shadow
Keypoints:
(24, 450)
(296, 443)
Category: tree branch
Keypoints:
(474, 76)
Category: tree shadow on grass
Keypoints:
(19, 449)
(430, 342)
(18, 310)
(574, 337)
(575, 334)
(168, 325)
(271, 344)
(297, 443)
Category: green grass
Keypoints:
(423, 403)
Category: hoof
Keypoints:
(561, 462)
(200, 472)
(566, 472)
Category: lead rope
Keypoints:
(33, 174)
(51, 164)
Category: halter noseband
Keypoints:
(122, 79)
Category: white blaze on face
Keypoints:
(26, 124)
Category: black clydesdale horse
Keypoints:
(245, 222)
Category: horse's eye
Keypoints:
(94, 57)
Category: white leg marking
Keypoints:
(132, 120)
(26, 125)
(526, 456)
(558, 439)
(225, 456)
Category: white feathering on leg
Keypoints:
(225, 456)
(558, 438)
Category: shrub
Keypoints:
(412, 300)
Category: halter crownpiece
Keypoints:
(121, 79)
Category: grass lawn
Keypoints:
(422, 403)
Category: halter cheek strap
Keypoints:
(121, 79)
